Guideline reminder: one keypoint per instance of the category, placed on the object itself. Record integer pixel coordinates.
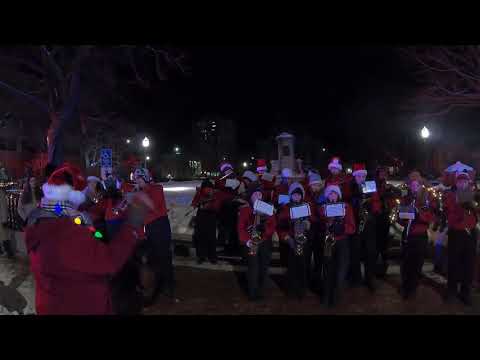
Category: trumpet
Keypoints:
(363, 215)
(255, 235)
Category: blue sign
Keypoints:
(106, 157)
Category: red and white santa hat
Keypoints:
(65, 184)
(250, 175)
(335, 188)
(224, 166)
(335, 164)
(261, 165)
(359, 169)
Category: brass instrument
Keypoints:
(255, 235)
(329, 239)
(300, 238)
(363, 214)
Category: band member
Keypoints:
(461, 217)
(158, 243)
(205, 232)
(282, 189)
(415, 238)
(387, 200)
(335, 232)
(93, 192)
(255, 233)
(71, 267)
(338, 177)
(228, 212)
(248, 177)
(294, 234)
(363, 242)
(312, 197)
(261, 167)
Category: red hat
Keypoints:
(359, 169)
(224, 166)
(65, 184)
(261, 165)
(335, 164)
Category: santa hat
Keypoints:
(65, 184)
(286, 173)
(462, 175)
(331, 188)
(314, 179)
(250, 175)
(224, 166)
(335, 164)
(359, 169)
(261, 165)
(296, 188)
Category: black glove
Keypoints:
(338, 228)
(260, 227)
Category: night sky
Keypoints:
(345, 96)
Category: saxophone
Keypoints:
(363, 214)
(299, 235)
(329, 240)
(255, 235)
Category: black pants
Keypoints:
(227, 228)
(413, 257)
(382, 228)
(335, 271)
(257, 272)
(283, 251)
(316, 248)
(297, 271)
(126, 297)
(363, 249)
(205, 235)
(461, 260)
(158, 247)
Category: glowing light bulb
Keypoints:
(98, 235)
(78, 220)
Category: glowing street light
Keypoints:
(147, 158)
(128, 141)
(245, 164)
(146, 142)
(425, 133)
(323, 149)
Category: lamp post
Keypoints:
(145, 144)
(425, 134)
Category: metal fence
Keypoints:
(14, 221)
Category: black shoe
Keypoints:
(8, 249)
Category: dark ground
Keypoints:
(219, 293)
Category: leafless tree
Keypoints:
(450, 76)
(66, 83)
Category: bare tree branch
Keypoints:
(43, 106)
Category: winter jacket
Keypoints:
(284, 223)
(246, 219)
(424, 216)
(342, 180)
(458, 217)
(348, 222)
(155, 192)
(72, 268)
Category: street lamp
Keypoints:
(145, 144)
(425, 133)
(128, 141)
(245, 164)
(147, 158)
(323, 149)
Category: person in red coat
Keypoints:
(71, 267)
(340, 227)
(462, 218)
(158, 244)
(258, 259)
(297, 263)
(415, 238)
(338, 177)
(363, 244)
(205, 232)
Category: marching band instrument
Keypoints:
(363, 214)
(255, 235)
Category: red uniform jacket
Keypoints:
(284, 223)
(155, 192)
(423, 218)
(268, 190)
(349, 221)
(246, 219)
(72, 268)
(343, 181)
(375, 206)
(458, 218)
(213, 205)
